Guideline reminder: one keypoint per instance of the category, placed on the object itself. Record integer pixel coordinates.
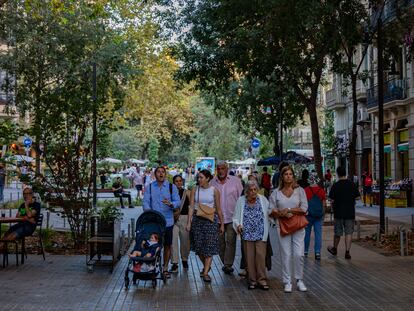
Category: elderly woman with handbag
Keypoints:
(251, 221)
(203, 223)
(289, 206)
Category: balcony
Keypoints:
(391, 10)
(394, 89)
(335, 100)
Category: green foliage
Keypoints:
(153, 150)
(9, 132)
(109, 212)
(328, 132)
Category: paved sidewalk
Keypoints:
(367, 282)
(400, 215)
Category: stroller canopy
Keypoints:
(151, 221)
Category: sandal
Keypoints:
(251, 286)
(206, 278)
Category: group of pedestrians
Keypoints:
(208, 219)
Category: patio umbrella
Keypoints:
(110, 160)
(19, 157)
(136, 161)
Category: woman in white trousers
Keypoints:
(286, 201)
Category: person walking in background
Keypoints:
(328, 180)
(161, 196)
(138, 181)
(179, 231)
(204, 233)
(316, 198)
(303, 182)
(289, 200)
(102, 178)
(266, 182)
(251, 221)
(367, 187)
(343, 195)
(230, 189)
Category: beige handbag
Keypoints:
(204, 211)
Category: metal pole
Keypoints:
(94, 135)
(380, 73)
(281, 130)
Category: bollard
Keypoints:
(129, 233)
(64, 221)
(47, 219)
(123, 246)
(358, 224)
(133, 228)
(402, 242)
(386, 225)
(18, 196)
(378, 233)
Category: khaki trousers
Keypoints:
(180, 233)
(228, 245)
(255, 252)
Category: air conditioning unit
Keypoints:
(362, 114)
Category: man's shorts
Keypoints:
(168, 237)
(342, 226)
(138, 187)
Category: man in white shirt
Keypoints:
(138, 180)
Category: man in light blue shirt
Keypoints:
(163, 197)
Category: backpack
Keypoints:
(315, 205)
(266, 181)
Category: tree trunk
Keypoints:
(316, 142)
(276, 150)
(352, 142)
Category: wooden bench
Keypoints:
(108, 193)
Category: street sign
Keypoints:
(255, 143)
(27, 142)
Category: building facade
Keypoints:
(398, 107)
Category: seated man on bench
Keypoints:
(29, 211)
(118, 190)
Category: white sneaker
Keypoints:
(288, 288)
(301, 286)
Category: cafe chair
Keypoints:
(5, 252)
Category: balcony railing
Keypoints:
(394, 89)
(390, 10)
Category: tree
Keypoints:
(257, 107)
(353, 22)
(52, 45)
(285, 42)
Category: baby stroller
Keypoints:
(149, 222)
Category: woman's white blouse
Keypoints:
(297, 199)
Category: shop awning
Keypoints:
(402, 147)
(387, 149)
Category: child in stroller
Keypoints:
(148, 248)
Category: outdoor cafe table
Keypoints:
(9, 220)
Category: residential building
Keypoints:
(398, 106)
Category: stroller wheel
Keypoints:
(154, 283)
(126, 282)
(134, 280)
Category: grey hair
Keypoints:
(222, 162)
(249, 184)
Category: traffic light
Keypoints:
(14, 148)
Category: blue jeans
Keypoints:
(1, 193)
(317, 227)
